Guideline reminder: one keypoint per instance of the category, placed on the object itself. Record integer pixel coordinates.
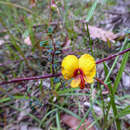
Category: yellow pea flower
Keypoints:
(82, 70)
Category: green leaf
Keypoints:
(122, 67)
(67, 111)
(47, 114)
(43, 43)
(124, 112)
(91, 11)
(58, 120)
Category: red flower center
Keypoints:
(78, 73)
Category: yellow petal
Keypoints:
(75, 82)
(92, 72)
(88, 65)
(89, 80)
(69, 65)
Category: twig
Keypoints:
(112, 56)
(59, 74)
(100, 81)
(31, 78)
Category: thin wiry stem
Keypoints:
(112, 56)
(59, 74)
(31, 78)
(105, 85)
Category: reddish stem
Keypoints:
(112, 56)
(31, 78)
(100, 81)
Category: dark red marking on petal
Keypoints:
(82, 84)
(79, 72)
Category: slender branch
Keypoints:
(59, 74)
(105, 85)
(31, 78)
(112, 56)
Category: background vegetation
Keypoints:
(34, 38)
